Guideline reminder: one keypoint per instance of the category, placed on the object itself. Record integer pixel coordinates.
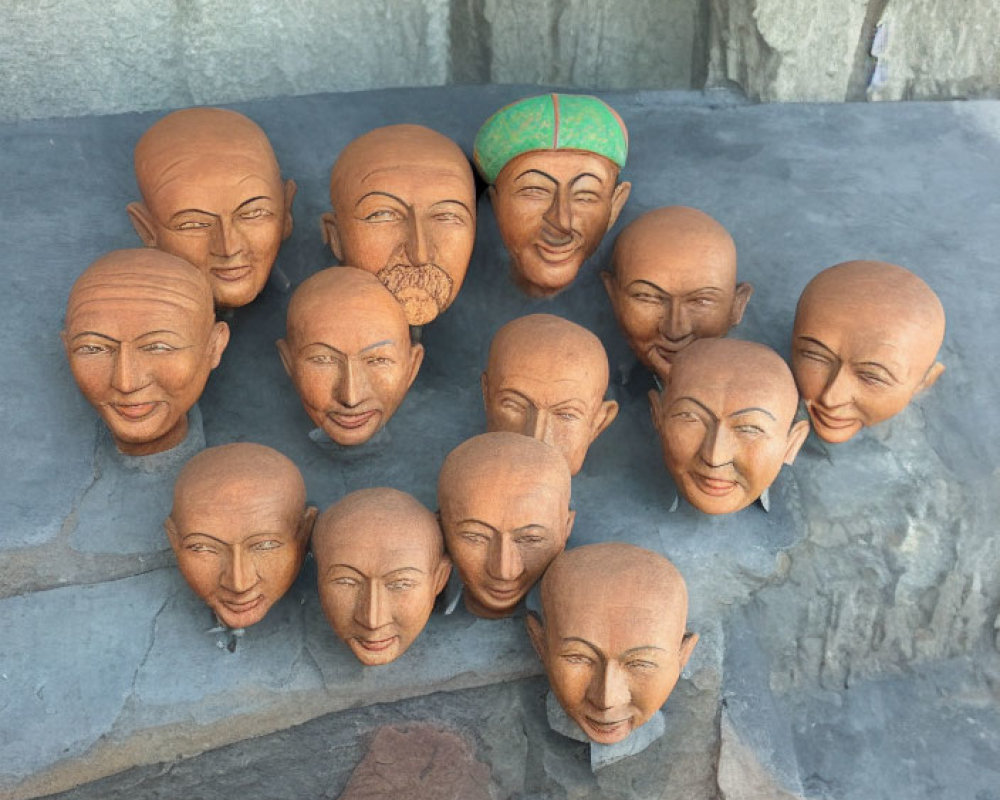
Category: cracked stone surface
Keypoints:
(869, 587)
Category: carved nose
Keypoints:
(371, 607)
(717, 446)
(240, 575)
(126, 376)
(505, 558)
(559, 215)
(837, 391)
(418, 245)
(609, 687)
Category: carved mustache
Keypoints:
(429, 278)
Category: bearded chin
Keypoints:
(428, 279)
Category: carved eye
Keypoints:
(256, 213)
(157, 347)
(384, 215)
(322, 359)
(751, 430)
(449, 217)
(873, 379)
(703, 301)
(267, 544)
(379, 361)
(532, 192)
(568, 416)
(685, 416)
(401, 585)
(530, 540)
(89, 349)
(641, 665)
(512, 405)
(577, 659)
(199, 547)
(191, 225)
(474, 538)
(815, 355)
(586, 197)
(344, 581)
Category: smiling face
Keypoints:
(674, 281)
(865, 338)
(141, 341)
(546, 378)
(504, 503)
(612, 639)
(404, 208)
(381, 563)
(552, 208)
(725, 423)
(213, 195)
(348, 353)
(239, 528)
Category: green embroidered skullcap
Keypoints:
(550, 122)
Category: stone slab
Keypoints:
(876, 556)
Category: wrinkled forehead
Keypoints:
(101, 292)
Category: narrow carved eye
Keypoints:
(577, 659)
(752, 430)
(267, 544)
(256, 213)
(344, 581)
(383, 215)
(401, 585)
(199, 547)
(472, 537)
(157, 347)
(191, 225)
(89, 349)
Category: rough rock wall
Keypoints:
(71, 57)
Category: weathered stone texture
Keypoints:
(940, 50)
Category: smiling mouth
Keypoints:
(504, 594)
(231, 274)
(244, 608)
(611, 728)
(716, 487)
(556, 254)
(351, 421)
(134, 412)
(376, 645)
(828, 421)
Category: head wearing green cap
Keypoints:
(550, 122)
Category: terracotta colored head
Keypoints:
(141, 339)
(240, 527)
(504, 507)
(381, 562)
(546, 377)
(612, 635)
(404, 208)
(674, 281)
(347, 350)
(212, 194)
(865, 341)
(726, 422)
(552, 163)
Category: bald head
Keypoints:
(348, 353)
(504, 506)
(499, 456)
(546, 377)
(141, 341)
(237, 474)
(674, 281)
(726, 422)
(865, 340)
(239, 527)
(212, 193)
(380, 562)
(404, 209)
(612, 603)
(376, 518)
(597, 578)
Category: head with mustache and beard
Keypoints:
(404, 209)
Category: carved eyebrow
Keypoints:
(648, 283)
(536, 172)
(475, 521)
(252, 200)
(698, 403)
(751, 409)
(206, 536)
(816, 342)
(193, 211)
(98, 335)
(404, 569)
(373, 346)
(449, 201)
(377, 193)
(355, 570)
(643, 647)
(586, 175)
(579, 640)
(880, 366)
(325, 346)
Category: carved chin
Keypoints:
(424, 290)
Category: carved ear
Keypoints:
(218, 342)
(654, 408)
(172, 533)
(331, 236)
(932, 375)
(604, 417)
(290, 189)
(491, 190)
(610, 284)
(442, 573)
(796, 438)
(306, 523)
(286, 356)
(687, 647)
(621, 193)
(570, 519)
(740, 300)
(416, 359)
(143, 223)
(536, 632)
(484, 384)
